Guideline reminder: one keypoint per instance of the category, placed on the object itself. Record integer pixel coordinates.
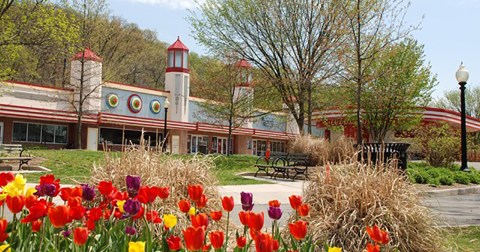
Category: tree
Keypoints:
(390, 101)
(371, 26)
(291, 42)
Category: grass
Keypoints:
(422, 173)
(465, 239)
(76, 165)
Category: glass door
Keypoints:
(1, 132)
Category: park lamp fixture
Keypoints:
(164, 140)
(462, 78)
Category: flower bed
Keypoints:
(102, 218)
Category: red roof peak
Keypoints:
(87, 55)
(243, 63)
(178, 45)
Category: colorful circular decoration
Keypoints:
(134, 103)
(155, 106)
(112, 100)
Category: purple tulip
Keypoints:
(133, 185)
(130, 230)
(88, 192)
(274, 213)
(66, 233)
(45, 190)
(247, 201)
(132, 207)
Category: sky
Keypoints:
(449, 31)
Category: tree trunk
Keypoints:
(359, 78)
(80, 101)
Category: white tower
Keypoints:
(90, 89)
(177, 81)
(243, 90)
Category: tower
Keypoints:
(243, 91)
(177, 81)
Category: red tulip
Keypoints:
(243, 216)
(90, 225)
(45, 180)
(36, 211)
(152, 216)
(75, 208)
(255, 221)
(94, 214)
(195, 192)
(303, 209)
(5, 178)
(202, 202)
(174, 243)
(206, 247)
(241, 241)
(216, 216)
(298, 229)
(199, 220)
(194, 237)
(145, 196)
(373, 248)
(80, 236)
(295, 201)
(105, 187)
(378, 235)
(227, 203)
(264, 242)
(184, 206)
(3, 230)
(59, 216)
(36, 225)
(15, 203)
(30, 200)
(274, 203)
(68, 192)
(139, 214)
(216, 239)
(163, 192)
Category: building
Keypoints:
(116, 113)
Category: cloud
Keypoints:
(174, 4)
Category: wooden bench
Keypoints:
(296, 163)
(12, 153)
(263, 164)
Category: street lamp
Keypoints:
(165, 105)
(462, 77)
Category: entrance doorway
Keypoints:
(1, 132)
(219, 145)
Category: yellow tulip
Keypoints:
(20, 181)
(3, 196)
(169, 220)
(192, 211)
(30, 191)
(120, 204)
(136, 246)
(5, 248)
(334, 249)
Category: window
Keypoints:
(277, 146)
(178, 58)
(170, 59)
(185, 59)
(114, 136)
(39, 133)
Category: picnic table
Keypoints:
(13, 149)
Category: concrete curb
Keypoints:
(451, 192)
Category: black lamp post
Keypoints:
(164, 141)
(462, 77)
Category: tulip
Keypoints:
(216, 239)
(174, 243)
(136, 246)
(303, 209)
(264, 242)
(80, 236)
(152, 216)
(184, 206)
(48, 186)
(67, 192)
(130, 231)
(255, 221)
(195, 192)
(274, 203)
(373, 248)
(243, 216)
(88, 193)
(132, 207)
(133, 185)
(227, 203)
(298, 229)
(199, 220)
(37, 210)
(3, 230)
(295, 201)
(105, 187)
(334, 249)
(275, 213)
(192, 211)
(59, 216)
(247, 201)
(202, 202)
(120, 205)
(145, 196)
(36, 225)
(5, 178)
(163, 192)
(15, 203)
(194, 237)
(5, 248)
(94, 214)
(378, 235)
(206, 248)
(216, 216)
(241, 241)
(169, 220)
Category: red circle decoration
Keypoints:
(155, 106)
(112, 100)
(134, 103)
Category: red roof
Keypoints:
(89, 55)
(243, 63)
(178, 45)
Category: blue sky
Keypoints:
(449, 31)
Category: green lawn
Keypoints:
(464, 239)
(76, 165)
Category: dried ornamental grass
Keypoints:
(351, 197)
(322, 151)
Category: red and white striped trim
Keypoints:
(43, 114)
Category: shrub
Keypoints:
(433, 181)
(462, 178)
(440, 143)
(418, 177)
(351, 196)
(445, 180)
(474, 177)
